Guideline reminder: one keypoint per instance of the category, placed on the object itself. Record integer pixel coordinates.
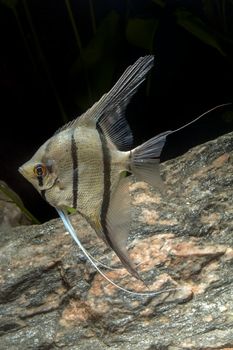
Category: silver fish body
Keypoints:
(84, 165)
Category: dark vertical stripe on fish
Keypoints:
(74, 156)
(40, 180)
(107, 183)
(106, 202)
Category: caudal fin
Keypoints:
(145, 160)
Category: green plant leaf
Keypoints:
(14, 198)
(99, 44)
(198, 28)
(100, 59)
(219, 15)
(161, 3)
(141, 32)
(209, 8)
(10, 3)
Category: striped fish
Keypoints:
(83, 166)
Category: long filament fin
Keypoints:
(102, 264)
(200, 116)
(145, 158)
(72, 232)
(91, 256)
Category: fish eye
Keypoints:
(40, 170)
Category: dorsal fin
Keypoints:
(117, 130)
(110, 109)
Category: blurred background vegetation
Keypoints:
(59, 56)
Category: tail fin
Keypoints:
(145, 160)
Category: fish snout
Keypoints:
(24, 170)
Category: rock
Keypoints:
(52, 298)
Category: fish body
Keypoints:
(83, 166)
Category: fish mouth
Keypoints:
(21, 170)
(25, 170)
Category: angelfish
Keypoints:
(83, 167)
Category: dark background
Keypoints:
(59, 56)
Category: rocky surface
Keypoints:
(51, 298)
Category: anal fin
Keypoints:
(118, 225)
